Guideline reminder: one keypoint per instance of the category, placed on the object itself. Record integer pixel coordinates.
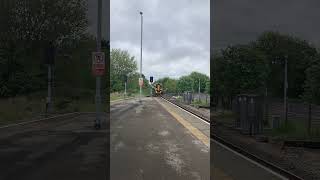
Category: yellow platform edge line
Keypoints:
(196, 132)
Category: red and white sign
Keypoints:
(98, 63)
(141, 82)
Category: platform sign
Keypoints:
(140, 82)
(98, 63)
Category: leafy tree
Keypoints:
(61, 21)
(168, 84)
(121, 64)
(185, 83)
(312, 85)
(240, 69)
(299, 54)
(25, 27)
(196, 76)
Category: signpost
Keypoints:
(98, 63)
(140, 82)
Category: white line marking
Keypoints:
(250, 160)
(187, 111)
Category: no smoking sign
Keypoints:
(98, 63)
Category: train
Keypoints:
(158, 91)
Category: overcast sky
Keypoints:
(176, 34)
(240, 21)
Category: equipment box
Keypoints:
(250, 113)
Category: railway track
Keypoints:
(188, 110)
(262, 162)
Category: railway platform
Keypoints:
(156, 140)
(64, 148)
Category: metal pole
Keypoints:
(49, 105)
(125, 90)
(98, 78)
(285, 89)
(199, 90)
(309, 118)
(141, 53)
(150, 89)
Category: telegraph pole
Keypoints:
(141, 13)
(98, 78)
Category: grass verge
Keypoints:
(296, 130)
(28, 107)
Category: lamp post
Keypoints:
(141, 14)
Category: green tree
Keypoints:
(25, 26)
(196, 77)
(168, 84)
(312, 85)
(122, 63)
(299, 53)
(240, 69)
(184, 83)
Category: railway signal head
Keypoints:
(151, 79)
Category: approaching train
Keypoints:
(158, 90)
